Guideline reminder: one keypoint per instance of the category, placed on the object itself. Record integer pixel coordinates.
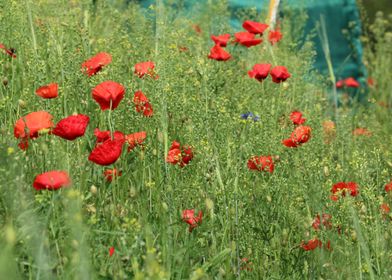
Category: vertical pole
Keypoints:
(272, 12)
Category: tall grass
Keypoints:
(263, 217)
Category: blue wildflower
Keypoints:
(250, 116)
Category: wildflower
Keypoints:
(29, 126)
(388, 187)
(71, 127)
(135, 139)
(279, 74)
(96, 63)
(361, 131)
(111, 174)
(254, 27)
(188, 216)
(311, 244)
(145, 68)
(220, 40)
(259, 71)
(11, 52)
(108, 94)
(250, 116)
(342, 187)
(111, 251)
(329, 129)
(197, 28)
(179, 155)
(102, 136)
(261, 163)
(274, 36)
(245, 264)
(328, 245)
(52, 180)
(247, 39)
(300, 135)
(325, 220)
(219, 54)
(385, 209)
(142, 104)
(108, 152)
(371, 82)
(296, 118)
(349, 82)
(183, 49)
(49, 91)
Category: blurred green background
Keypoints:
(372, 6)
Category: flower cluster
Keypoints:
(253, 36)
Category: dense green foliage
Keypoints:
(264, 217)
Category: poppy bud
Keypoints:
(165, 206)
(93, 189)
(5, 81)
(22, 103)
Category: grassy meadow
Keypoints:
(255, 224)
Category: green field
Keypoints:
(256, 224)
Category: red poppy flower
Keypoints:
(361, 131)
(52, 180)
(145, 68)
(188, 216)
(340, 84)
(221, 40)
(371, 82)
(259, 71)
(111, 173)
(342, 187)
(325, 220)
(71, 127)
(274, 36)
(247, 39)
(102, 136)
(328, 245)
(311, 244)
(279, 74)
(183, 49)
(245, 264)
(135, 139)
(49, 91)
(142, 104)
(296, 118)
(385, 208)
(197, 28)
(108, 94)
(254, 27)
(96, 63)
(329, 129)
(30, 125)
(174, 154)
(219, 54)
(261, 163)
(300, 135)
(108, 152)
(111, 251)
(179, 155)
(388, 187)
(10, 52)
(349, 82)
